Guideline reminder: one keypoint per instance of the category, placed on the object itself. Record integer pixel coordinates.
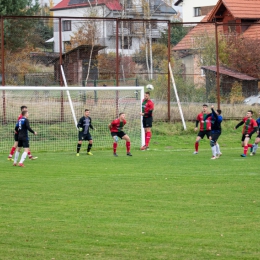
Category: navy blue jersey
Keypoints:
(258, 122)
(215, 121)
(23, 127)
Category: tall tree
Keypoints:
(17, 31)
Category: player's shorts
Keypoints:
(84, 137)
(147, 122)
(16, 137)
(119, 134)
(215, 136)
(201, 134)
(258, 136)
(244, 137)
(23, 143)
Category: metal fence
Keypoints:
(211, 62)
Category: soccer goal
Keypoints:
(54, 111)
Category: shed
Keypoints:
(76, 63)
(227, 78)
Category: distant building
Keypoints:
(131, 34)
(195, 10)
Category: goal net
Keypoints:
(53, 112)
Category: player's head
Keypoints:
(219, 111)
(204, 107)
(147, 95)
(23, 108)
(25, 113)
(122, 116)
(87, 112)
(249, 113)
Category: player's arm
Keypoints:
(90, 124)
(28, 127)
(80, 124)
(110, 125)
(239, 124)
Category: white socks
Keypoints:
(23, 157)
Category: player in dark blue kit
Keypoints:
(84, 124)
(216, 120)
(257, 140)
(22, 127)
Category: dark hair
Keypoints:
(219, 111)
(147, 93)
(251, 111)
(121, 113)
(205, 105)
(24, 112)
(86, 109)
(23, 107)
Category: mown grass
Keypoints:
(165, 203)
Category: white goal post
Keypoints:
(51, 115)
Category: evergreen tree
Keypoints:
(18, 31)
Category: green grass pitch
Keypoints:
(165, 203)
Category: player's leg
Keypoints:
(115, 138)
(213, 142)
(255, 146)
(196, 145)
(245, 145)
(25, 152)
(80, 138)
(17, 153)
(13, 148)
(127, 144)
(90, 143)
(31, 157)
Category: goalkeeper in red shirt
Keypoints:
(249, 128)
(116, 129)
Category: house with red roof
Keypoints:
(234, 17)
(131, 34)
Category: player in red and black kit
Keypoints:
(23, 108)
(205, 126)
(147, 113)
(249, 128)
(116, 129)
(22, 127)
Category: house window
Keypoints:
(197, 11)
(127, 43)
(66, 25)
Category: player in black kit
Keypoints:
(84, 135)
(22, 127)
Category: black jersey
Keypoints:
(23, 127)
(85, 123)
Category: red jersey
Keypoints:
(147, 107)
(19, 117)
(204, 124)
(249, 125)
(117, 125)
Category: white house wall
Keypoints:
(188, 9)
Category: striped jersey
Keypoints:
(249, 125)
(117, 125)
(205, 123)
